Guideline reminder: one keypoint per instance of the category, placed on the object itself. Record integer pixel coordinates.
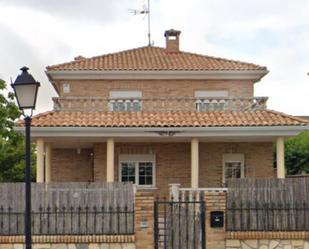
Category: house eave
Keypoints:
(269, 131)
(254, 75)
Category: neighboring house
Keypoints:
(156, 116)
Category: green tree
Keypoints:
(297, 154)
(12, 144)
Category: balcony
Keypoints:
(89, 104)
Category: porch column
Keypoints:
(110, 160)
(194, 163)
(40, 160)
(48, 156)
(280, 157)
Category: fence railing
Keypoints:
(268, 204)
(69, 208)
(70, 221)
(159, 104)
(268, 217)
(177, 193)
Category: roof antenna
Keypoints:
(145, 11)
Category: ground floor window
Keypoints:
(233, 166)
(139, 170)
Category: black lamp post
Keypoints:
(26, 90)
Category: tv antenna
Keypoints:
(145, 11)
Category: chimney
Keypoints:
(172, 40)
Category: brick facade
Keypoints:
(69, 166)
(173, 162)
(215, 237)
(152, 88)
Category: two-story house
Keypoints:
(156, 116)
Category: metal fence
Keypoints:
(268, 217)
(268, 205)
(70, 221)
(69, 208)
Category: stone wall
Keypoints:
(268, 244)
(71, 246)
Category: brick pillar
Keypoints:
(144, 220)
(215, 237)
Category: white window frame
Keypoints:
(125, 96)
(202, 97)
(234, 158)
(136, 159)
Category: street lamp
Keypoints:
(26, 90)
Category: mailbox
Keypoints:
(217, 219)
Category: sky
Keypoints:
(272, 33)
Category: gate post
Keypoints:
(215, 237)
(144, 220)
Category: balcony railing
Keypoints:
(159, 104)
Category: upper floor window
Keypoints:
(212, 100)
(125, 100)
(66, 88)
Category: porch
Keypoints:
(155, 163)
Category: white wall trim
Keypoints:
(154, 132)
(255, 75)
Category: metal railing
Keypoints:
(159, 104)
(71, 220)
(267, 217)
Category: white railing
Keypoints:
(178, 193)
(159, 104)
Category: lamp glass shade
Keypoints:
(26, 95)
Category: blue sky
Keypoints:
(268, 32)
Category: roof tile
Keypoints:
(154, 59)
(165, 119)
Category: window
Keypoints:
(138, 169)
(233, 166)
(211, 100)
(66, 88)
(125, 101)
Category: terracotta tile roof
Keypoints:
(154, 59)
(165, 119)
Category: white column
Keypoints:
(40, 160)
(280, 157)
(110, 160)
(194, 163)
(48, 155)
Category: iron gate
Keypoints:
(179, 224)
